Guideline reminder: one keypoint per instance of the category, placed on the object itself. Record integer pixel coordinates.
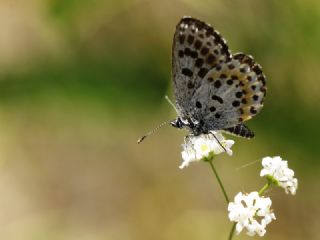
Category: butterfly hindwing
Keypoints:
(197, 48)
(231, 93)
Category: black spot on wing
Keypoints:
(239, 94)
(253, 110)
(198, 104)
(202, 72)
(197, 44)
(212, 109)
(211, 58)
(229, 81)
(204, 51)
(190, 39)
(181, 38)
(217, 98)
(199, 62)
(236, 103)
(187, 72)
(217, 83)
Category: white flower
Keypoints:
(247, 210)
(200, 147)
(188, 155)
(277, 169)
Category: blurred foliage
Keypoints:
(101, 80)
(65, 9)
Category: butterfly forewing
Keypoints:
(197, 48)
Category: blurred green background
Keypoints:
(81, 80)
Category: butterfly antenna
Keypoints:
(171, 103)
(153, 131)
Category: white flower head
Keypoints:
(277, 170)
(252, 212)
(202, 147)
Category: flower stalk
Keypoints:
(232, 231)
(219, 180)
(264, 188)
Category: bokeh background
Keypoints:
(81, 80)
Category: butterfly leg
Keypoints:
(224, 149)
(187, 139)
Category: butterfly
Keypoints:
(214, 89)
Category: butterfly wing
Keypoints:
(230, 93)
(197, 48)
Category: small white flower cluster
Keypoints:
(200, 147)
(277, 170)
(245, 210)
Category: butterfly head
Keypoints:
(195, 127)
(177, 123)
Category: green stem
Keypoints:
(232, 231)
(264, 188)
(224, 193)
(219, 181)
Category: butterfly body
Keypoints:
(214, 89)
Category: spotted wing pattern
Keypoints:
(231, 93)
(197, 48)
